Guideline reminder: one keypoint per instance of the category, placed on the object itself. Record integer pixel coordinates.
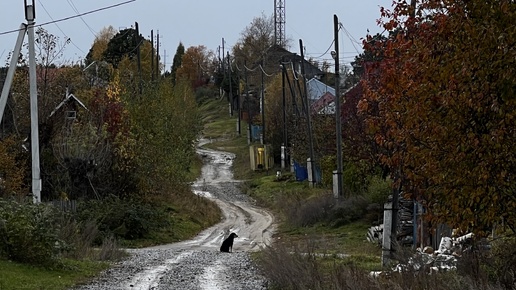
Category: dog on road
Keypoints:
(227, 244)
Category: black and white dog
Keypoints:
(227, 244)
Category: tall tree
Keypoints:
(442, 104)
(124, 43)
(196, 66)
(100, 44)
(178, 58)
(130, 76)
(254, 40)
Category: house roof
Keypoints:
(325, 104)
(68, 98)
(316, 89)
(275, 54)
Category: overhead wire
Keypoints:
(329, 47)
(350, 37)
(58, 27)
(82, 19)
(71, 17)
(294, 73)
(263, 71)
(248, 69)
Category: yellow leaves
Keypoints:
(101, 41)
(113, 90)
(12, 168)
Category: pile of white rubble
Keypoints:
(430, 261)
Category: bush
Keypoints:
(306, 212)
(378, 190)
(29, 233)
(348, 210)
(328, 164)
(204, 93)
(300, 211)
(287, 270)
(353, 179)
(503, 261)
(377, 193)
(126, 219)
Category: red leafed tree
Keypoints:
(441, 102)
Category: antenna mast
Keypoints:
(279, 22)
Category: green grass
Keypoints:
(217, 121)
(349, 239)
(16, 276)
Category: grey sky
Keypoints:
(198, 22)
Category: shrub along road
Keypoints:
(197, 263)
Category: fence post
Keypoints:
(387, 228)
(336, 176)
(310, 173)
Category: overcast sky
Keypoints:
(197, 22)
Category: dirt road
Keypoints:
(197, 263)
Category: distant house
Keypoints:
(69, 106)
(321, 97)
(66, 111)
(275, 55)
(270, 62)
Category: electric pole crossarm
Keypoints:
(12, 69)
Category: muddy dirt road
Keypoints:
(197, 263)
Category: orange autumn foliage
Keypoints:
(442, 103)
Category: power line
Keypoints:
(64, 34)
(71, 17)
(350, 37)
(77, 11)
(329, 47)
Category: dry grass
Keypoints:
(289, 267)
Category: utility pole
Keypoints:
(262, 104)
(308, 115)
(12, 68)
(138, 56)
(158, 73)
(223, 60)
(249, 132)
(231, 99)
(284, 104)
(152, 54)
(338, 120)
(30, 15)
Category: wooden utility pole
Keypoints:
(262, 104)
(284, 105)
(223, 60)
(249, 132)
(158, 73)
(152, 54)
(138, 57)
(308, 115)
(338, 126)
